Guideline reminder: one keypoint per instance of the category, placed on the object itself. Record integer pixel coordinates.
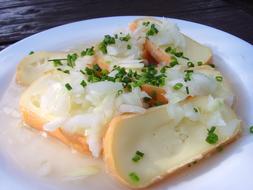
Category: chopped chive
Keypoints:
(129, 46)
(134, 177)
(88, 52)
(196, 110)
(185, 58)
(173, 63)
(187, 90)
(57, 62)
(219, 78)
(199, 63)
(211, 65)
(139, 153)
(125, 38)
(212, 138)
(108, 40)
(119, 92)
(66, 71)
(178, 54)
(68, 86)
(71, 58)
(31, 52)
(138, 156)
(83, 83)
(168, 49)
(146, 23)
(177, 86)
(188, 74)
(190, 64)
(152, 31)
(163, 69)
(82, 72)
(251, 129)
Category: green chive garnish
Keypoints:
(187, 90)
(146, 23)
(251, 129)
(83, 83)
(199, 63)
(31, 52)
(177, 86)
(196, 110)
(134, 177)
(125, 38)
(119, 92)
(68, 86)
(138, 156)
(219, 78)
(212, 138)
(152, 31)
(108, 40)
(88, 52)
(190, 64)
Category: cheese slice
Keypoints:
(169, 143)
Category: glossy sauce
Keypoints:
(43, 157)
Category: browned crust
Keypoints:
(110, 162)
(158, 54)
(36, 121)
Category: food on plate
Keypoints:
(35, 65)
(142, 87)
(158, 42)
(176, 138)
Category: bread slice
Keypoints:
(168, 145)
(34, 114)
(35, 65)
(193, 50)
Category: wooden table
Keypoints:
(21, 18)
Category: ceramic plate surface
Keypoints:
(231, 169)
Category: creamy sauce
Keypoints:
(38, 155)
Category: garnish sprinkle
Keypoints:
(83, 83)
(88, 51)
(177, 86)
(68, 86)
(212, 138)
(71, 58)
(152, 31)
(146, 23)
(219, 78)
(108, 40)
(125, 38)
(199, 63)
(138, 156)
(196, 109)
(134, 177)
(190, 64)
(187, 90)
(251, 129)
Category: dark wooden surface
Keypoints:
(21, 18)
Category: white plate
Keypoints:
(231, 169)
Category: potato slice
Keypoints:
(168, 145)
(193, 50)
(35, 65)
